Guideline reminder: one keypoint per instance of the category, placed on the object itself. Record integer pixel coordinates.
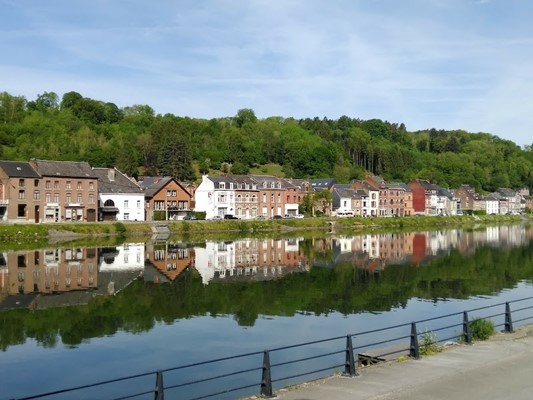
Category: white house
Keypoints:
(492, 205)
(119, 197)
(215, 196)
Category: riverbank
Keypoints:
(498, 368)
(16, 233)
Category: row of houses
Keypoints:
(64, 191)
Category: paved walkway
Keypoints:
(500, 368)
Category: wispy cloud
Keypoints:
(426, 63)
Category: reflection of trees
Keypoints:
(346, 289)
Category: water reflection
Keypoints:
(89, 271)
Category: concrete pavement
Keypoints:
(500, 368)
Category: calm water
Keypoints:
(177, 303)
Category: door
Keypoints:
(37, 216)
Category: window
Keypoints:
(36, 195)
(22, 195)
(91, 198)
(69, 197)
(48, 184)
(56, 184)
(21, 182)
(126, 204)
(79, 200)
(126, 216)
(91, 185)
(21, 211)
(222, 185)
(36, 183)
(48, 197)
(138, 203)
(68, 185)
(56, 197)
(79, 185)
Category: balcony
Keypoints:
(4, 202)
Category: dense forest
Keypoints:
(138, 142)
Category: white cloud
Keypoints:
(453, 64)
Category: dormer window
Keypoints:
(231, 185)
(222, 185)
(264, 185)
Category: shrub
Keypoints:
(429, 345)
(481, 329)
(120, 228)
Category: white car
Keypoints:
(298, 216)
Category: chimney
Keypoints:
(111, 174)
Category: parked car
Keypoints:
(277, 217)
(216, 218)
(229, 216)
(189, 217)
(299, 216)
(260, 217)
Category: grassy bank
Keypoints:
(44, 232)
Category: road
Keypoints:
(500, 368)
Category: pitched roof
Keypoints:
(321, 184)
(18, 169)
(156, 185)
(110, 180)
(66, 169)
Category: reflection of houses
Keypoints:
(170, 259)
(49, 271)
(256, 259)
(128, 256)
(119, 198)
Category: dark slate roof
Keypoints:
(151, 190)
(18, 169)
(321, 184)
(110, 180)
(66, 169)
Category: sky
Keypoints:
(444, 64)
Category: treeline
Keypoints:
(137, 141)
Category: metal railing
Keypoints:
(251, 373)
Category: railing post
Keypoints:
(467, 333)
(414, 350)
(266, 379)
(159, 393)
(350, 368)
(508, 319)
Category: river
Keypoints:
(72, 315)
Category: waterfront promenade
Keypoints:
(500, 368)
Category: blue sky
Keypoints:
(447, 64)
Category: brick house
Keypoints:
(70, 191)
(20, 192)
(167, 196)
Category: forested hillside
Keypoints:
(137, 141)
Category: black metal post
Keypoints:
(508, 319)
(467, 332)
(414, 350)
(350, 368)
(266, 379)
(159, 393)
